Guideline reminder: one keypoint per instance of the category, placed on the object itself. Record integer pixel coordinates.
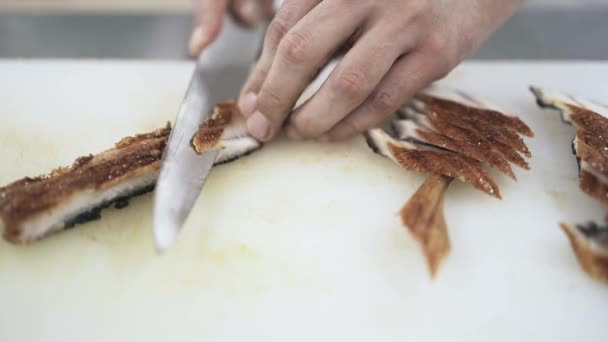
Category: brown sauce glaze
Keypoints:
(593, 186)
(210, 133)
(487, 130)
(592, 156)
(477, 139)
(132, 157)
(423, 215)
(474, 114)
(481, 152)
(592, 130)
(447, 164)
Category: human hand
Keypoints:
(209, 18)
(398, 48)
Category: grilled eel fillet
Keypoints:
(590, 145)
(448, 135)
(35, 207)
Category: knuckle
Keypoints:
(351, 83)
(268, 100)
(256, 79)
(384, 101)
(277, 29)
(438, 43)
(438, 50)
(294, 45)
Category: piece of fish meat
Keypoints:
(412, 131)
(465, 135)
(423, 215)
(590, 145)
(590, 245)
(225, 131)
(430, 160)
(33, 208)
(491, 124)
(448, 135)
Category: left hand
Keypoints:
(209, 18)
(398, 48)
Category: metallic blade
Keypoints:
(218, 75)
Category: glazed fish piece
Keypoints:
(471, 137)
(429, 160)
(490, 124)
(412, 131)
(590, 245)
(590, 119)
(423, 215)
(448, 135)
(464, 105)
(33, 208)
(591, 142)
(225, 131)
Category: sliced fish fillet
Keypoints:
(418, 158)
(490, 124)
(591, 142)
(448, 135)
(33, 208)
(590, 119)
(410, 130)
(464, 135)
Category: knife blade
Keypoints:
(218, 75)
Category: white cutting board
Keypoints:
(300, 241)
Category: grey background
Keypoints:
(563, 3)
(543, 29)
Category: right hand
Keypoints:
(209, 18)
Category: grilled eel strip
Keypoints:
(35, 207)
(448, 135)
(590, 146)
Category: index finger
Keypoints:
(303, 50)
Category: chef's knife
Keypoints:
(218, 75)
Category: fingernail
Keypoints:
(293, 134)
(259, 126)
(198, 40)
(247, 104)
(251, 11)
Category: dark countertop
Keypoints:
(532, 34)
